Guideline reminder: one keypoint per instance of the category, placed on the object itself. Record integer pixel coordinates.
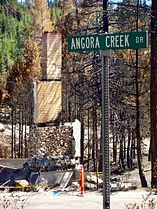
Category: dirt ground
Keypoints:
(90, 200)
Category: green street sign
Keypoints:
(84, 43)
(115, 41)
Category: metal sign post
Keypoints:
(105, 129)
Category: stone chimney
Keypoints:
(51, 56)
(48, 100)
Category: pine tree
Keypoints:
(25, 69)
(41, 21)
(13, 24)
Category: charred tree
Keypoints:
(153, 93)
(138, 134)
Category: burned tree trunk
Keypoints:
(153, 93)
(137, 100)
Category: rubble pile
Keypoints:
(50, 164)
(116, 184)
(51, 141)
(92, 181)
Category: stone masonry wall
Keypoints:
(51, 141)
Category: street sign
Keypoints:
(84, 43)
(115, 41)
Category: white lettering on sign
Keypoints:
(97, 44)
(139, 40)
(117, 41)
(107, 41)
(112, 41)
(121, 44)
(92, 42)
(78, 43)
(126, 40)
(82, 43)
(72, 44)
(85, 43)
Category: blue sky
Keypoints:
(148, 1)
(21, 1)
